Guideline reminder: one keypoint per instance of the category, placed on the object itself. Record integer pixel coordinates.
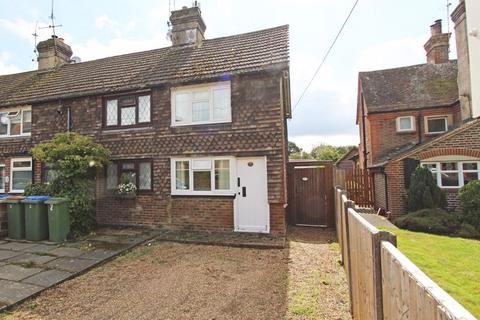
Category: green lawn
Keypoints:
(453, 263)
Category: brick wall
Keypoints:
(383, 138)
(258, 128)
(463, 142)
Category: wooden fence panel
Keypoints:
(409, 294)
(340, 175)
(360, 187)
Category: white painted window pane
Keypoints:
(22, 164)
(182, 107)
(200, 111)
(144, 109)
(128, 116)
(112, 112)
(182, 174)
(449, 166)
(201, 95)
(469, 176)
(202, 164)
(450, 179)
(112, 176)
(202, 181)
(222, 175)
(470, 166)
(145, 176)
(405, 123)
(4, 123)
(221, 104)
(20, 179)
(27, 121)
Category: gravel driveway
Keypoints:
(184, 281)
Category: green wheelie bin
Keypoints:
(58, 219)
(15, 217)
(36, 218)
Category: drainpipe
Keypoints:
(419, 128)
(386, 188)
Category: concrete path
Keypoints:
(27, 268)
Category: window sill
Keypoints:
(203, 123)
(204, 195)
(434, 133)
(19, 137)
(126, 129)
(406, 131)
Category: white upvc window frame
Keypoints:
(21, 110)
(460, 171)
(412, 124)
(191, 90)
(213, 191)
(2, 178)
(427, 129)
(12, 170)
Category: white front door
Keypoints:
(252, 212)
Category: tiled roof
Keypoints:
(249, 52)
(413, 87)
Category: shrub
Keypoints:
(468, 231)
(436, 221)
(424, 192)
(36, 189)
(469, 196)
(75, 160)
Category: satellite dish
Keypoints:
(76, 59)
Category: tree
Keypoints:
(75, 160)
(423, 192)
(329, 152)
(293, 148)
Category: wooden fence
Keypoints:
(358, 183)
(383, 283)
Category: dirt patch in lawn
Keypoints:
(184, 281)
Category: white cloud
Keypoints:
(24, 29)
(5, 67)
(104, 22)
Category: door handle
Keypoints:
(244, 192)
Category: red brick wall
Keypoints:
(258, 128)
(383, 138)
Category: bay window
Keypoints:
(127, 111)
(138, 172)
(202, 176)
(201, 104)
(454, 174)
(20, 174)
(16, 122)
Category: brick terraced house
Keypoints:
(199, 127)
(420, 115)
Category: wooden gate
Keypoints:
(310, 193)
(360, 188)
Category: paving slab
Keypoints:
(16, 273)
(40, 248)
(32, 258)
(7, 254)
(2, 263)
(16, 246)
(66, 252)
(71, 264)
(99, 254)
(47, 278)
(13, 292)
(2, 241)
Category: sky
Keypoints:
(380, 34)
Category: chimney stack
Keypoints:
(53, 53)
(188, 27)
(437, 46)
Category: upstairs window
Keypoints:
(128, 111)
(405, 124)
(436, 124)
(453, 174)
(15, 122)
(201, 104)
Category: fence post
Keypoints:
(348, 204)
(377, 264)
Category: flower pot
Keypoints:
(125, 196)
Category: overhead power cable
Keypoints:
(326, 56)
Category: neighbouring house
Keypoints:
(199, 127)
(424, 115)
(348, 161)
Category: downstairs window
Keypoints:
(454, 174)
(139, 172)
